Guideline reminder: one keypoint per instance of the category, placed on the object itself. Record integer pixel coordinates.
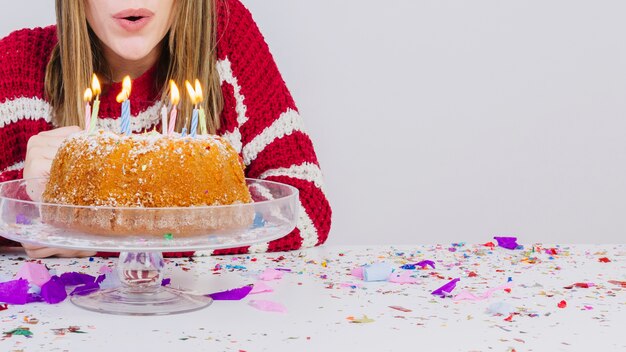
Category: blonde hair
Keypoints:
(189, 52)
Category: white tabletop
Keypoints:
(321, 311)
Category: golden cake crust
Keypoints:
(147, 171)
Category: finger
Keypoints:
(61, 131)
(37, 168)
(31, 246)
(41, 253)
(42, 152)
(74, 254)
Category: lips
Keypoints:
(133, 19)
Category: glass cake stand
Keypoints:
(142, 234)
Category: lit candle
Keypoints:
(95, 88)
(124, 99)
(174, 99)
(199, 98)
(87, 98)
(163, 120)
(194, 115)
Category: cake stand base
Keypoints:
(141, 292)
(121, 301)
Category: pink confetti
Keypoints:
(403, 278)
(260, 287)
(35, 273)
(357, 272)
(468, 296)
(271, 274)
(268, 306)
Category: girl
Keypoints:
(44, 71)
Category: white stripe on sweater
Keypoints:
(12, 111)
(17, 109)
(225, 71)
(288, 122)
(144, 120)
(306, 171)
(16, 166)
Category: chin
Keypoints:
(133, 51)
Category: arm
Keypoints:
(274, 145)
(23, 111)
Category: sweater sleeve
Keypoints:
(273, 142)
(23, 110)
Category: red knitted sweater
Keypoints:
(259, 118)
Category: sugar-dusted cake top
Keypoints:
(146, 170)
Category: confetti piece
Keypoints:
(34, 273)
(604, 260)
(403, 278)
(260, 287)
(268, 306)
(168, 236)
(166, 281)
(377, 272)
(562, 304)
(466, 295)
(618, 283)
(74, 278)
(53, 291)
(22, 219)
(363, 320)
(14, 292)
(21, 331)
(580, 285)
(446, 289)
(4, 307)
(507, 242)
(402, 309)
(235, 294)
(357, 272)
(271, 274)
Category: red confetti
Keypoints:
(509, 318)
(618, 283)
(507, 290)
(562, 304)
(604, 260)
(580, 285)
(4, 307)
(472, 274)
(489, 244)
(402, 309)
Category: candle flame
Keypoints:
(199, 96)
(126, 85)
(174, 93)
(88, 95)
(125, 93)
(95, 85)
(191, 91)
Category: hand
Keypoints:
(37, 252)
(40, 152)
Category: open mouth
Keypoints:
(133, 18)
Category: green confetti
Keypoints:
(168, 236)
(19, 332)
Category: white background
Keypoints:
(451, 120)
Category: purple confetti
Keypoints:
(166, 281)
(236, 294)
(22, 219)
(14, 292)
(53, 291)
(507, 242)
(74, 278)
(85, 289)
(446, 289)
(425, 263)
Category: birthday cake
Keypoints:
(138, 184)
